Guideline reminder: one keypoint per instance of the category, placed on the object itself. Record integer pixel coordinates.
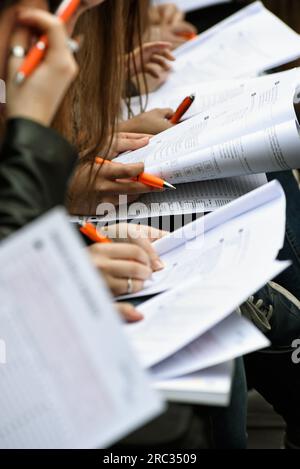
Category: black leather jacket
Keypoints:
(35, 165)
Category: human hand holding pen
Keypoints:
(40, 95)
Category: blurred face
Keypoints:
(7, 23)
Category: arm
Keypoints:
(35, 165)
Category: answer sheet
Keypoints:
(212, 93)
(229, 238)
(175, 319)
(245, 44)
(250, 133)
(70, 380)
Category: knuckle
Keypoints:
(135, 271)
(138, 286)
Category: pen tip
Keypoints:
(193, 96)
(19, 78)
(169, 186)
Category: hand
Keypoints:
(109, 182)
(152, 55)
(120, 262)
(128, 312)
(153, 84)
(151, 122)
(140, 235)
(128, 141)
(39, 97)
(168, 13)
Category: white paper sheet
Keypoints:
(191, 198)
(245, 44)
(230, 238)
(250, 133)
(176, 318)
(71, 380)
(231, 338)
(213, 93)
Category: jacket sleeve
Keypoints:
(35, 166)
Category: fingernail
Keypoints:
(158, 265)
(137, 317)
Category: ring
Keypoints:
(73, 46)
(130, 286)
(18, 51)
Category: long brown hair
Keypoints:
(137, 22)
(88, 117)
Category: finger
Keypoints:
(121, 251)
(159, 60)
(119, 171)
(177, 17)
(131, 188)
(166, 111)
(123, 187)
(153, 70)
(130, 144)
(165, 52)
(45, 23)
(129, 313)
(124, 269)
(156, 46)
(145, 243)
(168, 13)
(119, 286)
(168, 55)
(20, 37)
(184, 27)
(132, 135)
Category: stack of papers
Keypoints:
(252, 132)
(212, 266)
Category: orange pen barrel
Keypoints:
(182, 109)
(67, 9)
(150, 180)
(91, 232)
(35, 55)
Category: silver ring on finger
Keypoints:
(18, 52)
(129, 286)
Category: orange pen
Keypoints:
(186, 35)
(182, 109)
(35, 55)
(91, 232)
(144, 178)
